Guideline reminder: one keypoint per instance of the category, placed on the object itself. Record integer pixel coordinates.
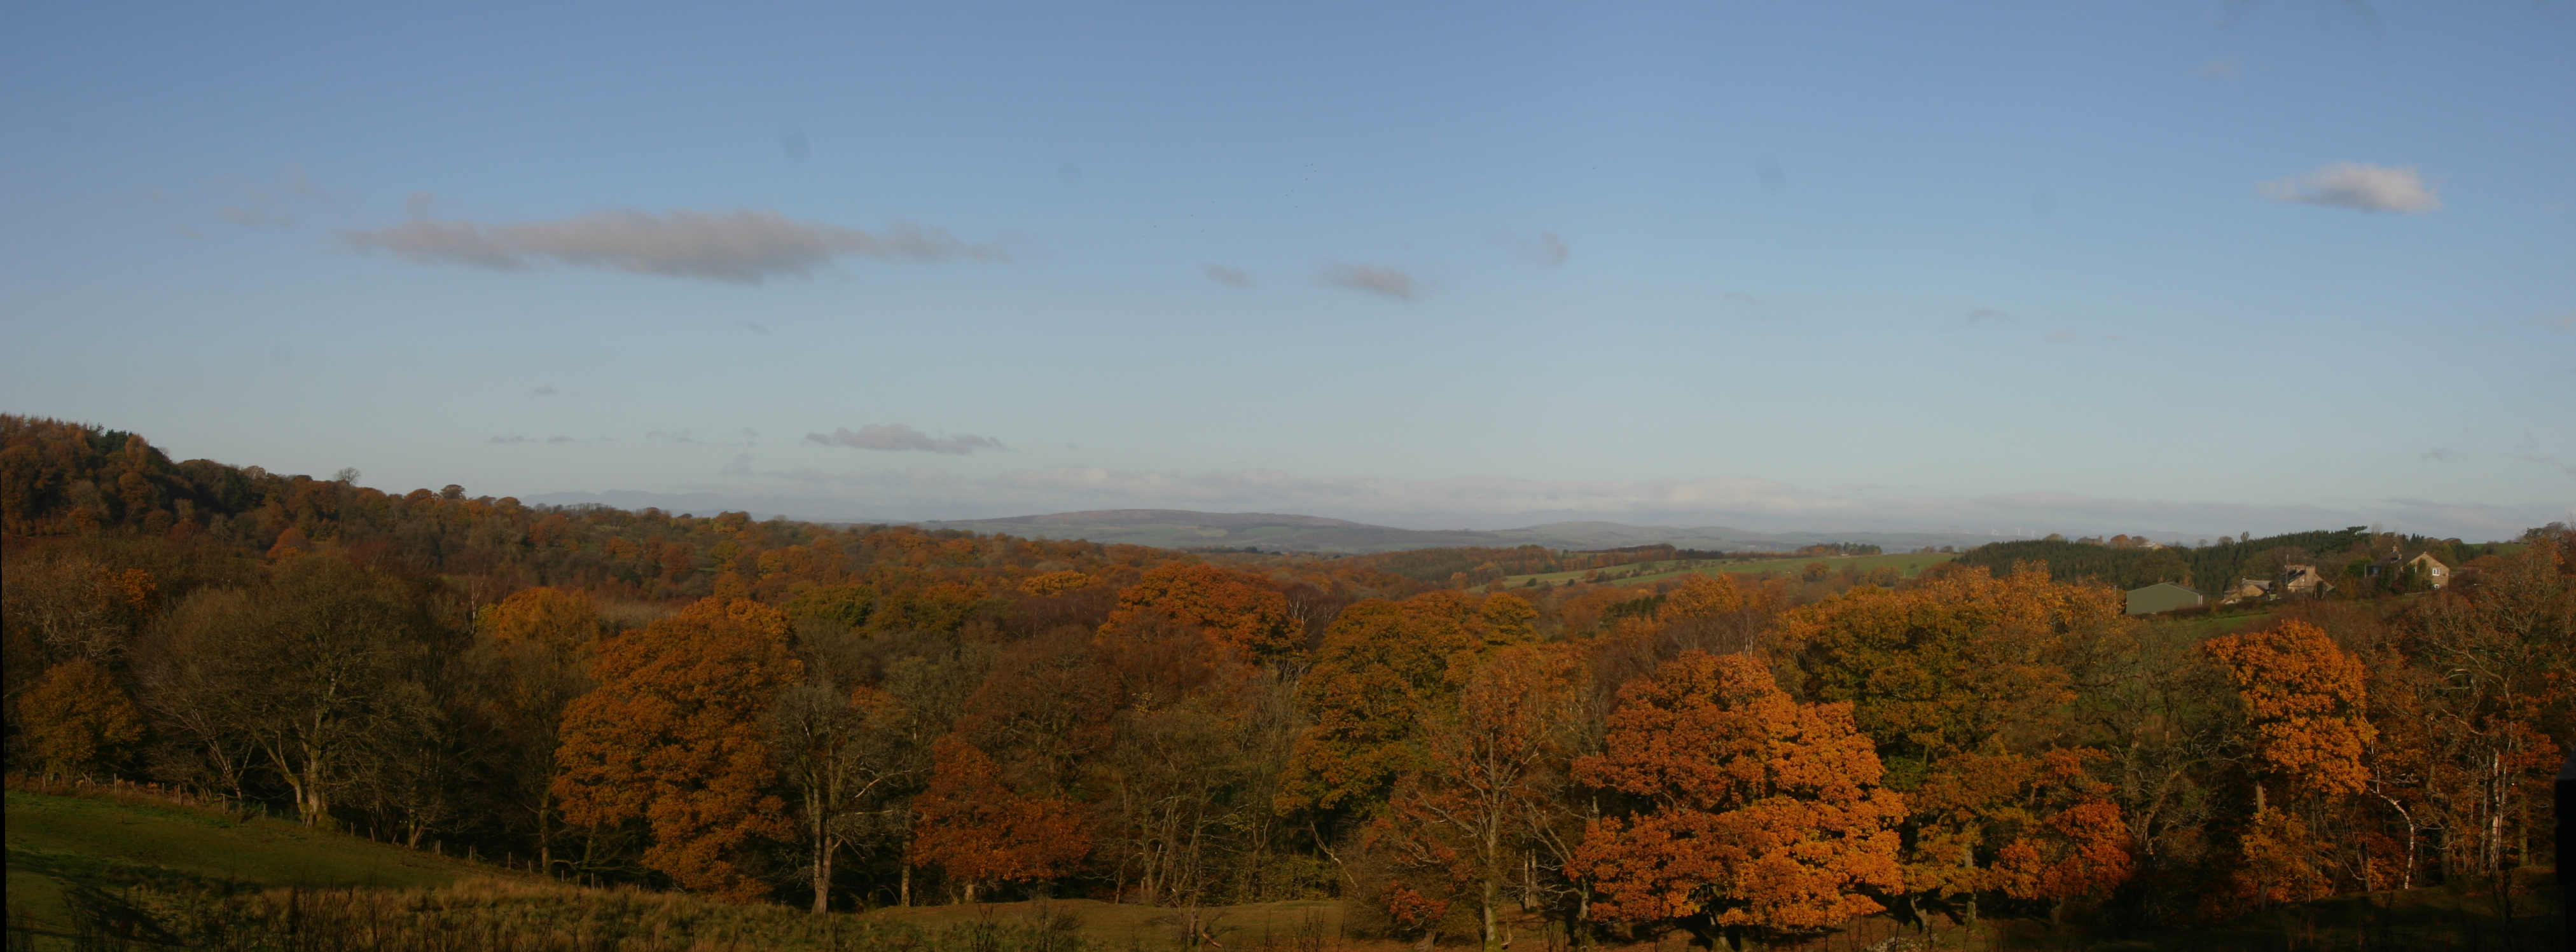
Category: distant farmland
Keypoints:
(1908, 564)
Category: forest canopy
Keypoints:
(849, 716)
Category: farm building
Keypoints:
(2162, 597)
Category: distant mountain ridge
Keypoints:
(1282, 532)
(1277, 532)
(1285, 532)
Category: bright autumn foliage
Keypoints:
(1946, 666)
(1496, 769)
(1703, 595)
(1766, 814)
(972, 824)
(672, 736)
(1055, 583)
(2071, 840)
(2305, 695)
(1383, 666)
(563, 619)
(1954, 678)
(1229, 606)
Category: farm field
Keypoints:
(1907, 564)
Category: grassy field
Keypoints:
(1906, 564)
(1313, 923)
(170, 876)
(59, 841)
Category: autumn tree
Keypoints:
(318, 670)
(1963, 682)
(78, 719)
(1384, 665)
(672, 737)
(1481, 810)
(1175, 778)
(1758, 815)
(1228, 606)
(75, 607)
(971, 824)
(2305, 697)
(2066, 840)
(531, 657)
(840, 750)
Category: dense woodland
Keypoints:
(2342, 557)
(854, 716)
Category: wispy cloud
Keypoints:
(2363, 188)
(1547, 249)
(896, 437)
(1986, 315)
(1230, 277)
(255, 218)
(544, 391)
(2556, 321)
(1381, 281)
(266, 206)
(2219, 68)
(744, 245)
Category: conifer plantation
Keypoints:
(816, 719)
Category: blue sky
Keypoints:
(2175, 268)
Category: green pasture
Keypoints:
(56, 842)
(1908, 564)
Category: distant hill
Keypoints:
(1278, 532)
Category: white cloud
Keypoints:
(896, 437)
(1384, 282)
(2365, 188)
(743, 245)
(1230, 277)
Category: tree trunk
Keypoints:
(903, 892)
(1490, 932)
(316, 805)
(822, 877)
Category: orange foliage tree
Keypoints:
(1496, 767)
(1382, 667)
(78, 719)
(2305, 696)
(565, 620)
(1962, 680)
(973, 825)
(673, 737)
(1228, 606)
(1763, 815)
(2307, 700)
(2067, 841)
